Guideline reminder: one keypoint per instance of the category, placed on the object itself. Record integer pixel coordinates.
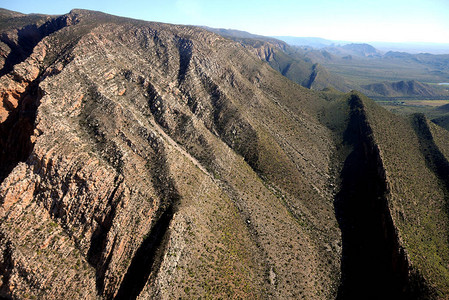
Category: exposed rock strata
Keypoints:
(156, 161)
(141, 168)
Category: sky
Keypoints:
(344, 20)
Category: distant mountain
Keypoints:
(363, 64)
(362, 50)
(410, 88)
(413, 48)
(395, 54)
(315, 42)
(239, 34)
(335, 47)
(347, 51)
(346, 67)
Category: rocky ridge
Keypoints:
(147, 160)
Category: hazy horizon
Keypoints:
(402, 21)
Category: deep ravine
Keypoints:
(16, 130)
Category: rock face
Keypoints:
(146, 160)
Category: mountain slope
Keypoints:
(145, 141)
(402, 194)
(147, 160)
(287, 60)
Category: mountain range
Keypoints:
(409, 47)
(148, 160)
(349, 66)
